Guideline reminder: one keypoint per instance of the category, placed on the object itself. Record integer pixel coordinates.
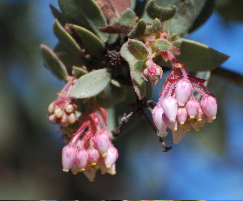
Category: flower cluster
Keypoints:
(184, 103)
(90, 148)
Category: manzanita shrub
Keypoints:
(110, 53)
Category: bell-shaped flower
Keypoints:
(81, 159)
(179, 135)
(111, 157)
(183, 91)
(169, 105)
(68, 157)
(93, 155)
(209, 107)
(158, 121)
(192, 108)
(182, 115)
(101, 142)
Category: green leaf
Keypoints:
(85, 13)
(53, 63)
(128, 17)
(183, 19)
(162, 45)
(137, 49)
(79, 71)
(156, 26)
(94, 45)
(139, 30)
(136, 68)
(163, 14)
(66, 39)
(91, 84)
(58, 15)
(197, 56)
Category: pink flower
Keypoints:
(179, 135)
(169, 105)
(68, 157)
(209, 107)
(182, 115)
(192, 107)
(183, 91)
(93, 155)
(101, 142)
(158, 121)
(111, 157)
(81, 159)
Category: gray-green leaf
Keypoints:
(162, 45)
(90, 84)
(197, 56)
(85, 13)
(66, 39)
(53, 63)
(94, 45)
(137, 49)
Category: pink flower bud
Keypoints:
(209, 107)
(69, 108)
(182, 115)
(51, 107)
(172, 125)
(93, 155)
(52, 118)
(90, 175)
(183, 91)
(101, 142)
(169, 105)
(64, 119)
(158, 121)
(179, 135)
(192, 107)
(68, 157)
(58, 112)
(72, 118)
(81, 159)
(111, 157)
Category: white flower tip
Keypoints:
(192, 117)
(65, 170)
(93, 164)
(104, 155)
(82, 169)
(108, 166)
(182, 123)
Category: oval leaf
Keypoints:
(128, 17)
(90, 84)
(66, 39)
(94, 45)
(162, 45)
(137, 49)
(139, 30)
(85, 13)
(197, 56)
(53, 63)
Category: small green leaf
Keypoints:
(53, 63)
(156, 26)
(58, 15)
(136, 68)
(137, 49)
(79, 71)
(139, 29)
(162, 45)
(128, 17)
(91, 84)
(85, 13)
(163, 14)
(183, 19)
(94, 45)
(197, 56)
(66, 39)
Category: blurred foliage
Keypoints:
(30, 149)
